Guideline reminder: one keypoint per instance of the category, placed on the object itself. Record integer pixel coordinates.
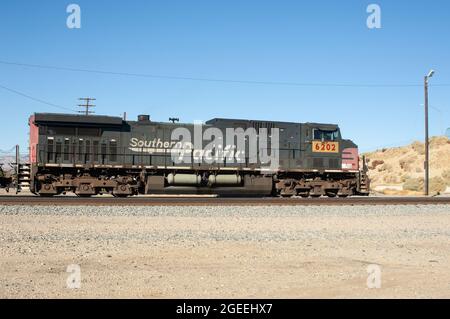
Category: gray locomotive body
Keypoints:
(90, 155)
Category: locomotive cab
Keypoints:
(329, 165)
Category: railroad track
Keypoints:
(214, 201)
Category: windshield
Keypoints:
(324, 135)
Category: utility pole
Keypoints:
(17, 168)
(87, 106)
(427, 146)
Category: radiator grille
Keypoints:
(318, 163)
(333, 163)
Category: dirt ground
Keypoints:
(185, 253)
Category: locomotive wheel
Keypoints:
(304, 194)
(287, 192)
(331, 194)
(284, 195)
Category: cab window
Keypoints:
(324, 135)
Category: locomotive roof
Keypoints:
(215, 120)
(116, 120)
(78, 118)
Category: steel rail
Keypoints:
(220, 201)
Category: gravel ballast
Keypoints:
(219, 251)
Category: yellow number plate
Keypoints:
(325, 147)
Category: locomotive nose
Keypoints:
(350, 159)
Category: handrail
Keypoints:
(124, 155)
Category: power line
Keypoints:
(433, 107)
(7, 152)
(35, 99)
(169, 77)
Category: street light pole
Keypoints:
(427, 154)
(427, 148)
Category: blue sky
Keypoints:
(318, 42)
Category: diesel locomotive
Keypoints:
(95, 154)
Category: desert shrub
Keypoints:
(446, 177)
(438, 141)
(418, 148)
(437, 185)
(376, 163)
(385, 167)
(413, 184)
(391, 179)
(407, 163)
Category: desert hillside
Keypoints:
(401, 169)
(7, 159)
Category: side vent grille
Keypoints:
(318, 163)
(333, 163)
(268, 125)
